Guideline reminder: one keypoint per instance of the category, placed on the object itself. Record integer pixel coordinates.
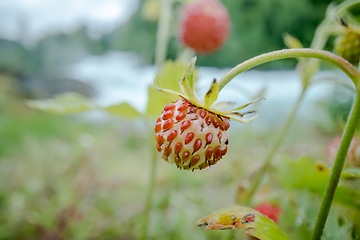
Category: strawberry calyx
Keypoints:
(188, 94)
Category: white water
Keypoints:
(121, 77)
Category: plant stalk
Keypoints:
(162, 39)
(162, 34)
(344, 65)
(274, 148)
(149, 195)
(351, 125)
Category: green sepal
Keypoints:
(189, 93)
(187, 83)
(222, 105)
(189, 73)
(246, 121)
(245, 105)
(211, 95)
(235, 217)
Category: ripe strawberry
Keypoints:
(348, 47)
(192, 133)
(190, 136)
(269, 210)
(204, 26)
(353, 155)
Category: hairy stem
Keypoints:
(162, 39)
(344, 65)
(149, 195)
(275, 146)
(162, 34)
(351, 125)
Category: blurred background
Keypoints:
(85, 176)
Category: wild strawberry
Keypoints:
(348, 45)
(353, 155)
(190, 136)
(269, 210)
(204, 26)
(193, 134)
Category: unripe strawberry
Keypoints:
(348, 47)
(193, 133)
(271, 211)
(353, 155)
(190, 136)
(204, 26)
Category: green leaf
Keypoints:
(189, 73)
(65, 103)
(211, 95)
(123, 109)
(351, 173)
(188, 92)
(300, 209)
(314, 176)
(291, 42)
(235, 217)
(157, 101)
(168, 79)
(223, 105)
(169, 75)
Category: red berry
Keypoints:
(269, 210)
(194, 140)
(204, 26)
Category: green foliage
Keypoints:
(351, 173)
(299, 215)
(17, 122)
(63, 104)
(305, 173)
(69, 103)
(168, 77)
(235, 217)
(123, 109)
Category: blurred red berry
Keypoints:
(269, 210)
(353, 156)
(190, 136)
(204, 26)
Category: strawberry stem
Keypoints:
(351, 125)
(256, 183)
(162, 39)
(162, 34)
(344, 65)
(149, 195)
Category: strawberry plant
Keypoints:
(193, 133)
